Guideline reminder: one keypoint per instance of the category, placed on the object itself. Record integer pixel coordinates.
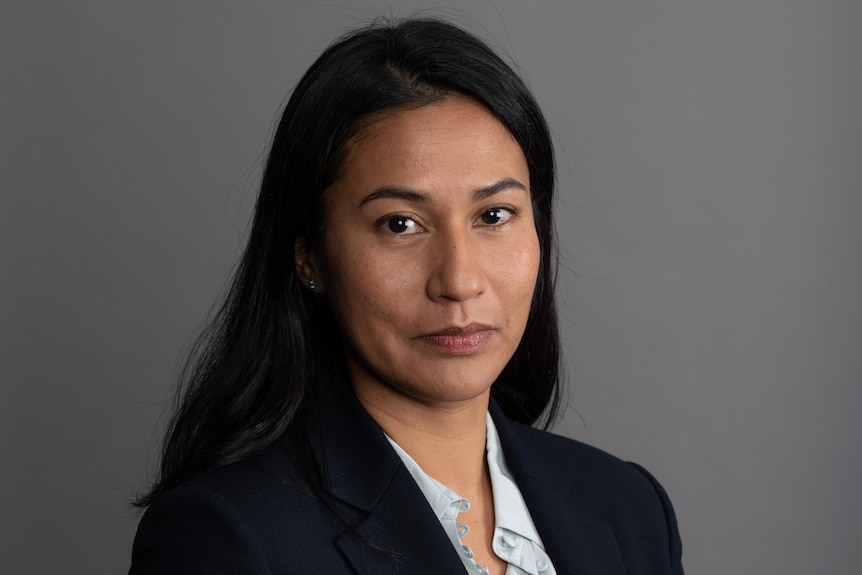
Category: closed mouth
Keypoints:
(459, 340)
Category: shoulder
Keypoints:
(563, 458)
(559, 473)
(234, 519)
(253, 487)
(578, 468)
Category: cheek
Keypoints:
(523, 268)
(365, 289)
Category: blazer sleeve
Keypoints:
(673, 538)
(192, 530)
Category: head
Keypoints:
(274, 344)
(360, 81)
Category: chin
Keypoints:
(449, 389)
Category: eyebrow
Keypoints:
(407, 194)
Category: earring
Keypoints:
(312, 284)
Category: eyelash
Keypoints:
(387, 221)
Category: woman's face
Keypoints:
(430, 256)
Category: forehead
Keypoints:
(438, 142)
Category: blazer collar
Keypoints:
(576, 543)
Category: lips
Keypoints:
(459, 340)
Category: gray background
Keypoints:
(710, 160)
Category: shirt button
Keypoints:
(462, 529)
(541, 564)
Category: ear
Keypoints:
(306, 265)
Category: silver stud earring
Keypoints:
(312, 284)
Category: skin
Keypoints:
(430, 260)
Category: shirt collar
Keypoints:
(443, 501)
(510, 509)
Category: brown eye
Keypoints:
(495, 216)
(401, 225)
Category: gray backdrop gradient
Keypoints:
(710, 159)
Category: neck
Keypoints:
(447, 440)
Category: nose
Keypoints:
(457, 270)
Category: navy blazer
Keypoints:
(596, 514)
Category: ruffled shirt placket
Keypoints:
(515, 541)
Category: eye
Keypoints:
(496, 216)
(400, 225)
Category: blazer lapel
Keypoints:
(409, 536)
(395, 530)
(575, 543)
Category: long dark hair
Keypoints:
(272, 344)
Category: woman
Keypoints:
(360, 403)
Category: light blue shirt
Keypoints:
(516, 540)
